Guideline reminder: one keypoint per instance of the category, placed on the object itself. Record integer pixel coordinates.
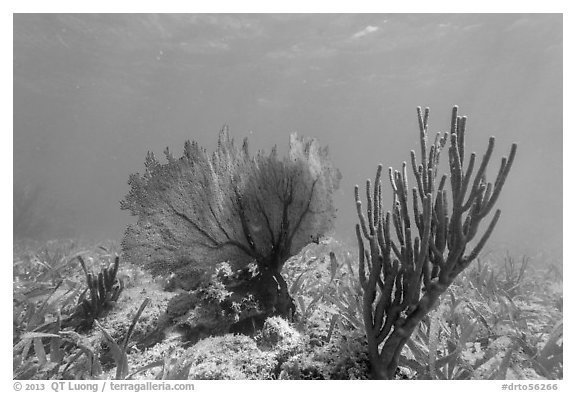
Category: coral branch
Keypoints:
(403, 276)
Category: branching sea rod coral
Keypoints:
(403, 278)
(230, 206)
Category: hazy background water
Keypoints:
(94, 93)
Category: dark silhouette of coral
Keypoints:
(231, 206)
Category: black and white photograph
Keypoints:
(286, 196)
